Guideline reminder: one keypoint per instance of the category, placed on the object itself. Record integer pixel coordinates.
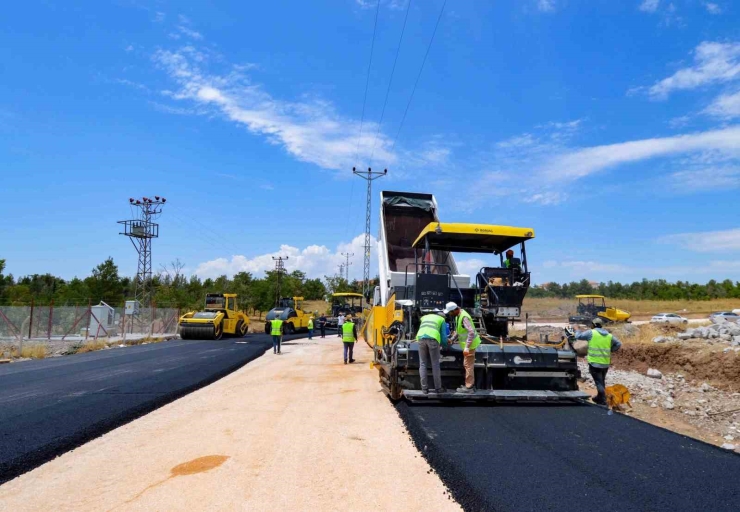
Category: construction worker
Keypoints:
(340, 323)
(601, 344)
(432, 336)
(508, 262)
(322, 325)
(469, 340)
(277, 334)
(349, 337)
(310, 328)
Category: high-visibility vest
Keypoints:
(507, 263)
(348, 332)
(431, 326)
(277, 325)
(310, 324)
(600, 348)
(462, 332)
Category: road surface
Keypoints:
(50, 406)
(569, 457)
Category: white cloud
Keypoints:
(649, 5)
(726, 106)
(702, 179)
(712, 8)
(129, 48)
(546, 5)
(713, 63)
(707, 241)
(315, 260)
(193, 34)
(309, 130)
(575, 164)
(471, 266)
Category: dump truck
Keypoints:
(288, 309)
(220, 317)
(419, 275)
(593, 306)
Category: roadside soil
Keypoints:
(297, 431)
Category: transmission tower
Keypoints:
(141, 230)
(280, 269)
(368, 176)
(347, 255)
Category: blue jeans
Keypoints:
(276, 343)
(348, 347)
(310, 334)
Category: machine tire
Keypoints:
(241, 329)
(268, 328)
(289, 328)
(218, 331)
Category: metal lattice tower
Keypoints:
(141, 230)
(347, 255)
(368, 176)
(280, 269)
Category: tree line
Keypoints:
(657, 289)
(172, 288)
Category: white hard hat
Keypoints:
(450, 307)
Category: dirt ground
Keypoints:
(297, 431)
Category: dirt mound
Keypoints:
(716, 367)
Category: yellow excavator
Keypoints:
(220, 317)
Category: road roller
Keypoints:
(220, 317)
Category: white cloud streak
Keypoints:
(311, 131)
(726, 106)
(546, 5)
(707, 241)
(315, 260)
(712, 8)
(713, 63)
(649, 5)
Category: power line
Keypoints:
(395, 139)
(364, 103)
(367, 78)
(390, 80)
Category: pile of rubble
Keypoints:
(703, 406)
(722, 332)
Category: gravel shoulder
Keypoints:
(299, 431)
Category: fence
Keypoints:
(50, 324)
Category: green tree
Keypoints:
(105, 284)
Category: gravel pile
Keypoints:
(721, 332)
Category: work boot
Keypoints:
(425, 391)
(345, 362)
(440, 390)
(351, 360)
(466, 390)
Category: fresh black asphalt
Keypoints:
(569, 457)
(48, 407)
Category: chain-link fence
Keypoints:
(60, 328)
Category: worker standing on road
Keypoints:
(340, 323)
(310, 328)
(277, 334)
(349, 337)
(469, 340)
(432, 336)
(601, 344)
(322, 325)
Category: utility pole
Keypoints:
(280, 269)
(347, 255)
(368, 176)
(141, 230)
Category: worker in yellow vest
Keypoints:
(431, 337)
(601, 344)
(349, 337)
(277, 334)
(468, 338)
(310, 328)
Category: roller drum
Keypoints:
(197, 332)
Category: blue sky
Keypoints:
(611, 128)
